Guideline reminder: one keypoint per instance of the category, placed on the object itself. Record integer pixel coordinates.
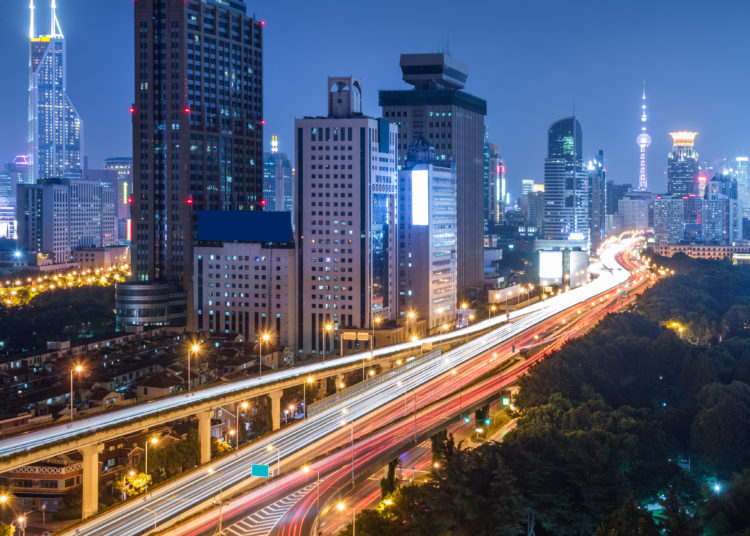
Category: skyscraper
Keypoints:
(565, 183)
(197, 127)
(278, 180)
(345, 219)
(124, 192)
(55, 127)
(597, 203)
(427, 236)
(643, 140)
(682, 164)
(495, 196)
(453, 122)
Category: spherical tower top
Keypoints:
(643, 139)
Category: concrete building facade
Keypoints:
(427, 237)
(345, 218)
(452, 120)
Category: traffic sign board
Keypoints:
(259, 470)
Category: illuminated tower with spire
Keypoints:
(55, 128)
(643, 140)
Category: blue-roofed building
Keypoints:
(244, 278)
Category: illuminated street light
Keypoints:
(153, 441)
(78, 369)
(264, 337)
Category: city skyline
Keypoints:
(606, 95)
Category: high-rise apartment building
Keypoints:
(565, 183)
(527, 185)
(197, 128)
(636, 211)
(427, 237)
(682, 165)
(451, 120)
(597, 202)
(278, 180)
(345, 218)
(55, 127)
(57, 216)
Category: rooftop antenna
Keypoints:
(31, 24)
(55, 30)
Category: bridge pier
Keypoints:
(275, 397)
(90, 479)
(204, 434)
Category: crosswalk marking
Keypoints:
(262, 522)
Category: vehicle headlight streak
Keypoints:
(180, 494)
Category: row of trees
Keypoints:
(626, 416)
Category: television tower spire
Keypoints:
(643, 140)
(55, 30)
(31, 23)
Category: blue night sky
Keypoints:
(530, 59)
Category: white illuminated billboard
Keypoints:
(550, 267)
(420, 199)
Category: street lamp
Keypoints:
(78, 369)
(271, 448)
(304, 393)
(464, 306)
(410, 316)
(329, 329)
(153, 441)
(22, 524)
(492, 310)
(306, 469)
(211, 471)
(341, 506)
(244, 406)
(265, 337)
(192, 350)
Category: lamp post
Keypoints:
(265, 337)
(153, 441)
(464, 306)
(375, 320)
(410, 318)
(341, 506)
(22, 524)
(492, 310)
(329, 329)
(306, 469)
(211, 471)
(304, 394)
(192, 350)
(271, 448)
(79, 369)
(351, 424)
(244, 406)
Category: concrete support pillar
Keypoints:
(322, 390)
(204, 434)
(275, 397)
(90, 479)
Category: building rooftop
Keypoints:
(245, 226)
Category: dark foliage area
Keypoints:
(60, 315)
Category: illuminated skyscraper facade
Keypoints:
(566, 200)
(278, 180)
(197, 128)
(452, 120)
(682, 165)
(427, 237)
(55, 129)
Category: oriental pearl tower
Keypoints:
(643, 140)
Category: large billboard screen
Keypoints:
(420, 199)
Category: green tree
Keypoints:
(629, 520)
(7, 530)
(133, 485)
(677, 521)
(726, 512)
(388, 484)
